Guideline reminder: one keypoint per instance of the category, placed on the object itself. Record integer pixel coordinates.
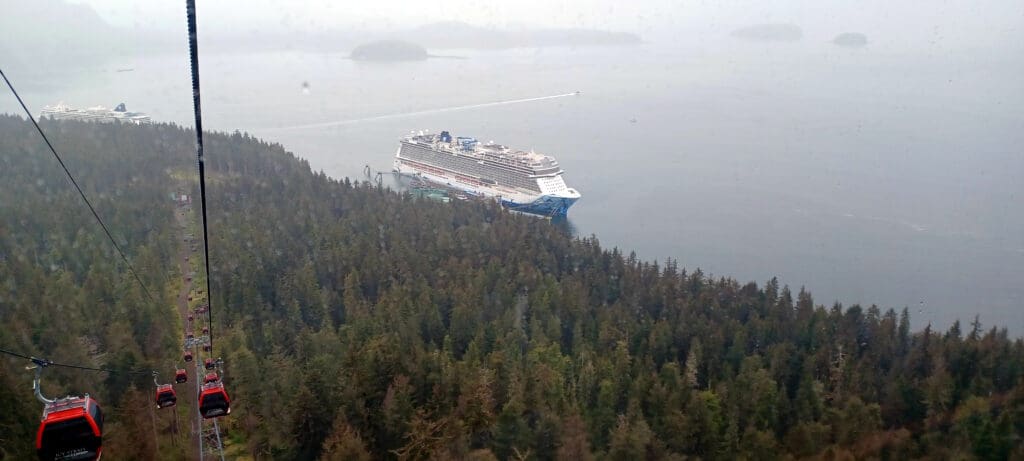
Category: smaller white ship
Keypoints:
(94, 114)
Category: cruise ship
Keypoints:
(94, 114)
(522, 181)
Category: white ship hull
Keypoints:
(553, 204)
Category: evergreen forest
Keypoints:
(356, 322)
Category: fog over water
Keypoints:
(886, 174)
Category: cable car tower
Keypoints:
(209, 442)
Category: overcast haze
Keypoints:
(900, 24)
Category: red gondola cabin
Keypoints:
(214, 401)
(72, 428)
(211, 378)
(206, 347)
(188, 356)
(181, 376)
(206, 330)
(165, 396)
(209, 364)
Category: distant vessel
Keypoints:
(523, 181)
(95, 114)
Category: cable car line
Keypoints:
(193, 52)
(78, 188)
(213, 398)
(72, 426)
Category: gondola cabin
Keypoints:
(206, 330)
(165, 396)
(209, 364)
(188, 356)
(211, 378)
(181, 376)
(206, 347)
(189, 335)
(72, 428)
(214, 401)
(189, 317)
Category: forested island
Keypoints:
(360, 323)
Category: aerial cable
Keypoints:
(78, 188)
(193, 52)
(49, 363)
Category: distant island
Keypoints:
(769, 33)
(454, 34)
(389, 50)
(851, 40)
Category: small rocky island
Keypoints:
(389, 50)
(851, 40)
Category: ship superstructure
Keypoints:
(524, 181)
(94, 114)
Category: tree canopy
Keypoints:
(363, 323)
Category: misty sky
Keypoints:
(911, 23)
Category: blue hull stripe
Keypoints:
(545, 205)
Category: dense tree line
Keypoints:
(361, 323)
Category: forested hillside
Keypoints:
(359, 323)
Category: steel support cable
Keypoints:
(193, 53)
(50, 363)
(79, 189)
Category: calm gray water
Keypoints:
(866, 177)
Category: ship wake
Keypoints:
(417, 113)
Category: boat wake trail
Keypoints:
(416, 113)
